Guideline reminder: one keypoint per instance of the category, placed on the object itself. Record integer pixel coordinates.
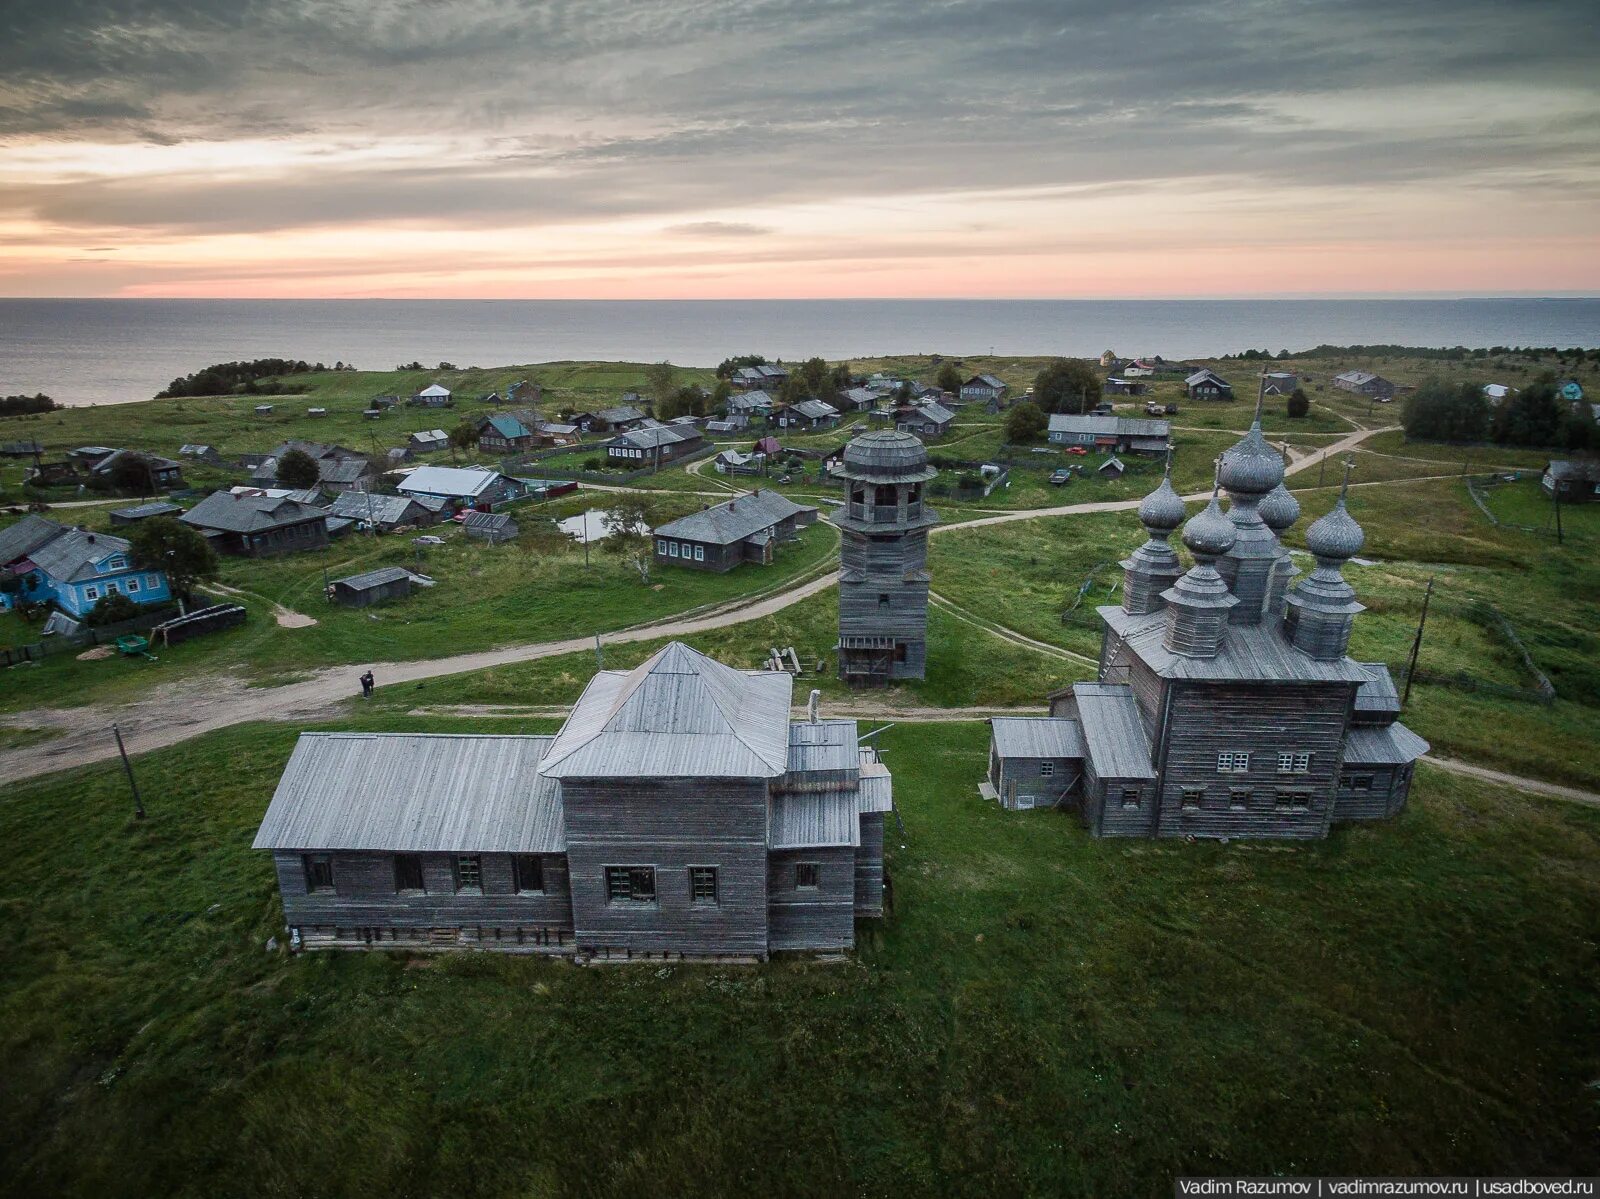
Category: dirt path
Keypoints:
(1533, 786)
(287, 618)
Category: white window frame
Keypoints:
(1233, 763)
(91, 593)
(672, 549)
(661, 546)
(699, 553)
(1293, 762)
(133, 584)
(153, 582)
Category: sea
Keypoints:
(83, 351)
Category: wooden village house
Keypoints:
(432, 396)
(928, 421)
(373, 587)
(1365, 383)
(680, 812)
(1206, 384)
(507, 433)
(747, 528)
(461, 486)
(654, 446)
(983, 389)
(386, 513)
(1113, 434)
(808, 414)
(43, 562)
(491, 527)
(1572, 481)
(1227, 704)
(428, 441)
(258, 526)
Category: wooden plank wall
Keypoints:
(823, 918)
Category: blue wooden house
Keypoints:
(72, 567)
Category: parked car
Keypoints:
(1058, 477)
(1076, 449)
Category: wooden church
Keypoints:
(1226, 703)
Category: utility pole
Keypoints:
(1322, 467)
(1416, 644)
(599, 654)
(138, 803)
(1556, 493)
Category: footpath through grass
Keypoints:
(1043, 1013)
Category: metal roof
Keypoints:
(679, 714)
(70, 556)
(433, 389)
(141, 511)
(449, 480)
(1037, 737)
(426, 436)
(1113, 734)
(738, 518)
(749, 401)
(826, 746)
(1357, 377)
(27, 535)
(373, 578)
(621, 414)
(934, 412)
(659, 435)
(876, 792)
(507, 426)
(1201, 376)
(486, 521)
(1384, 745)
(815, 409)
(366, 505)
(1378, 693)
(244, 513)
(415, 793)
(985, 381)
(1249, 653)
(813, 820)
(1109, 426)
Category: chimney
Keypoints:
(812, 705)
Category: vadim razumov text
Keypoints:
(1334, 1188)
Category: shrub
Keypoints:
(1299, 404)
(594, 463)
(113, 609)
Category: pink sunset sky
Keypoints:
(747, 148)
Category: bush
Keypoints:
(1067, 385)
(1026, 422)
(113, 609)
(297, 469)
(1299, 404)
(594, 463)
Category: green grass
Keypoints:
(1043, 1013)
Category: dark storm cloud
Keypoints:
(594, 109)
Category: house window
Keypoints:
(1358, 782)
(630, 884)
(1046, 769)
(1294, 799)
(111, 589)
(661, 546)
(319, 871)
(1130, 797)
(91, 593)
(408, 872)
(1238, 797)
(703, 884)
(1193, 797)
(469, 873)
(117, 564)
(1293, 763)
(883, 599)
(807, 876)
(699, 553)
(1234, 763)
(527, 874)
(133, 586)
(673, 549)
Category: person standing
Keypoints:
(367, 683)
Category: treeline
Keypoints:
(240, 378)
(25, 405)
(1535, 417)
(1574, 354)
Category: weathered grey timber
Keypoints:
(883, 558)
(679, 811)
(746, 528)
(1226, 704)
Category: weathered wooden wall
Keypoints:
(869, 866)
(823, 918)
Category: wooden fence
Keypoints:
(104, 635)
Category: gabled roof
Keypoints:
(1109, 426)
(1113, 734)
(28, 534)
(156, 461)
(70, 557)
(660, 435)
(734, 520)
(430, 435)
(620, 415)
(365, 505)
(1037, 737)
(343, 470)
(374, 578)
(1359, 378)
(433, 389)
(415, 793)
(992, 381)
(935, 413)
(449, 480)
(507, 426)
(486, 521)
(679, 714)
(815, 409)
(749, 401)
(1206, 374)
(242, 513)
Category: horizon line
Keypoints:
(1076, 299)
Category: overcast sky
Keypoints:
(768, 148)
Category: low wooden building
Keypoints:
(1112, 434)
(463, 486)
(258, 526)
(1365, 383)
(807, 414)
(428, 441)
(928, 421)
(432, 396)
(654, 446)
(1206, 384)
(678, 813)
(1034, 763)
(164, 473)
(373, 587)
(747, 528)
(1115, 386)
(386, 513)
(139, 512)
(1573, 481)
(492, 527)
(507, 433)
(983, 389)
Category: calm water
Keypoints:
(113, 351)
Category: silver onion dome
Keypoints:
(1210, 534)
(1280, 509)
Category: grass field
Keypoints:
(1042, 1013)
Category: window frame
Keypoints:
(1294, 762)
(314, 864)
(132, 582)
(1191, 799)
(699, 553)
(661, 546)
(1047, 769)
(91, 593)
(698, 876)
(634, 896)
(808, 876)
(1137, 800)
(521, 864)
(1239, 798)
(1233, 762)
(406, 859)
(672, 549)
(1359, 782)
(474, 867)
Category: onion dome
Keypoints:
(1210, 534)
(1162, 510)
(887, 456)
(1251, 466)
(1336, 536)
(1279, 509)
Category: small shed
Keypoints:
(432, 396)
(316, 412)
(373, 587)
(429, 441)
(133, 515)
(1111, 468)
(1034, 761)
(493, 527)
(263, 409)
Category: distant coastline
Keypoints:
(88, 351)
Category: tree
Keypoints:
(111, 609)
(719, 396)
(1533, 416)
(131, 474)
(463, 437)
(949, 378)
(1440, 411)
(161, 543)
(727, 367)
(629, 521)
(298, 469)
(1026, 422)
(660, 381)
(842, 376)
(685, 401)
(1299, 404)
(1068, 385)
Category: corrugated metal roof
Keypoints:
(1378, 693)
(1249, 653)
(656, 436)
(679, 714)
(828, 745)
(373, 578)
(70, 557)
(415, 793)
(449, 480)
(380, 509)
(487, 522)
(433, 389)
(1112, 731)
(813, 820)
(877, 788)
(815, 409)
(1037, 737)
(1109, 426)
(27, 535)
(240, 512)
(1384, 745)
(141, 511)
(723, 524)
